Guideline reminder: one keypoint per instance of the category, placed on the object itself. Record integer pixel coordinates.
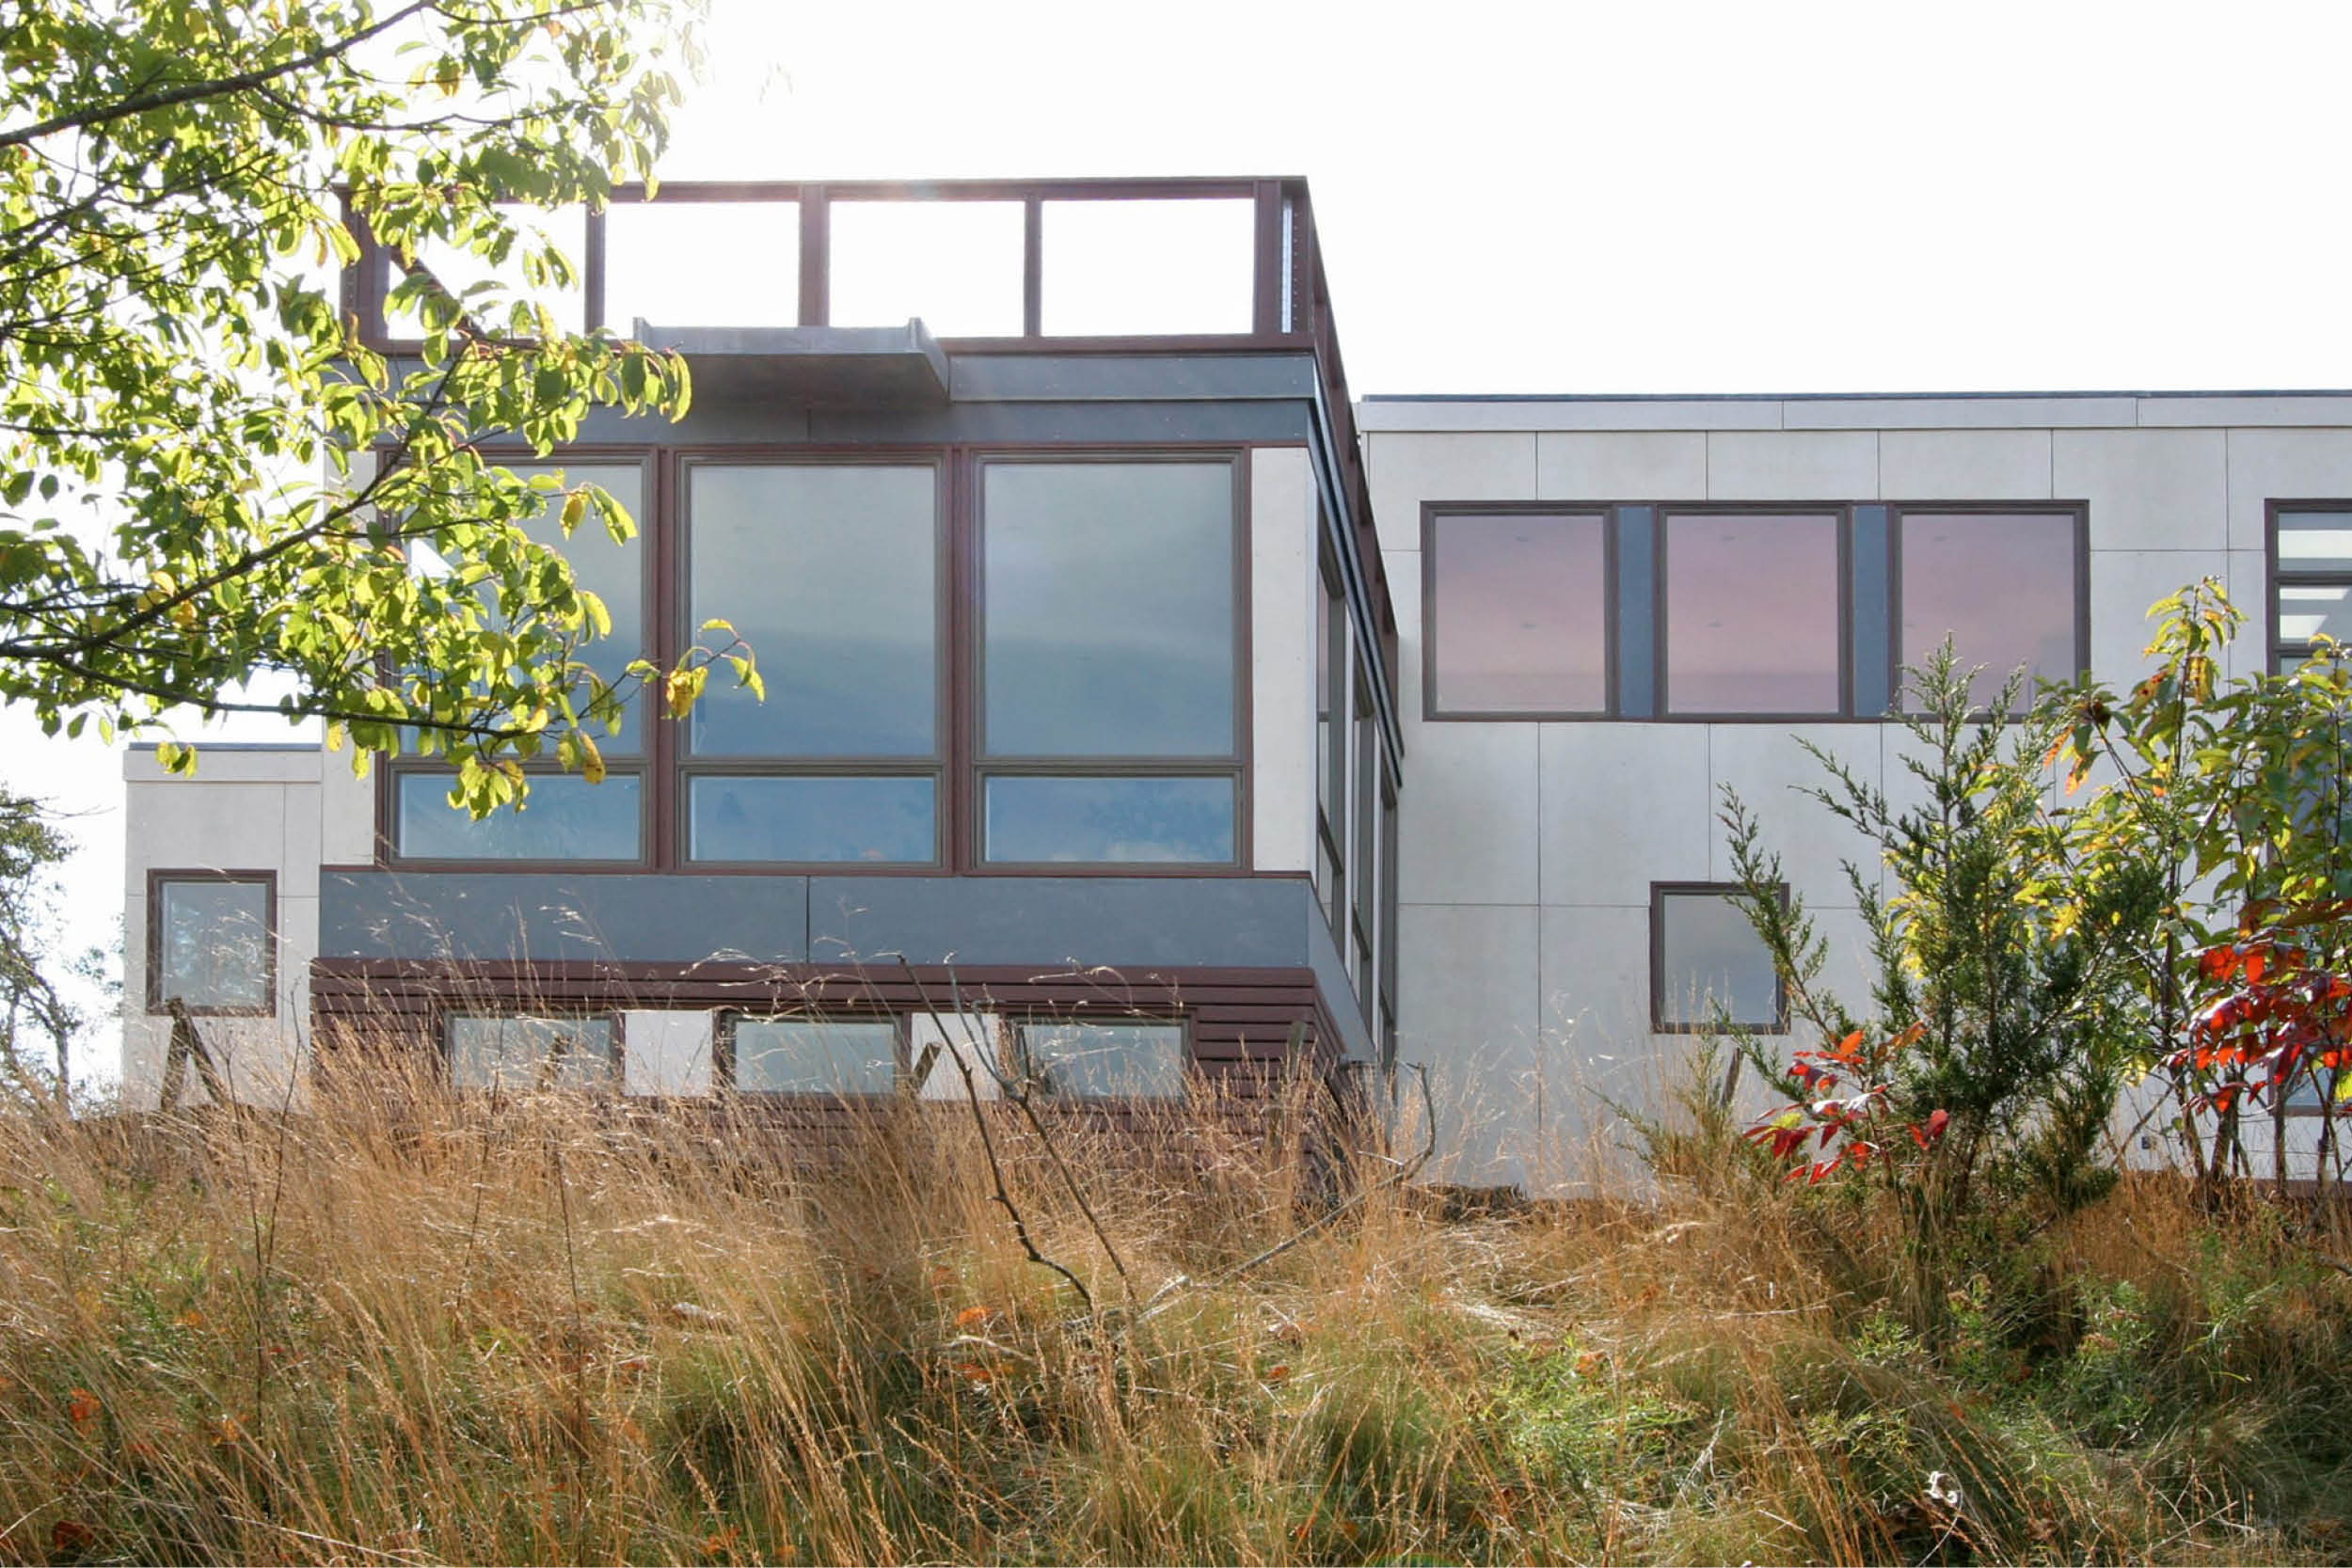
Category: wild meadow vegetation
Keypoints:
(1935, 1302)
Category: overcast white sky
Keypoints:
(1629, 196)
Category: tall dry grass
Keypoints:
(401, 1327)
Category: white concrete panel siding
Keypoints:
(1965, 465)
(1282, 592)
(1467, 1007)
(1669, 465)
(2124, 584)
(1407, 470)
(346, 812)
(1468, 820)
(248, 809)
(2148, 489)
(1770, 768)
(1622, 806)
(2283, 465)
(1793, 465)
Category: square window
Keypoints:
(524, 1053)
(1706, 957)
(1103, 1061)
(1754, 615)
(210, 941)
(2004, 587)
(843, 1057)
(1518, 614)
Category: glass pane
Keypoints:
(1121, 268)
(566, 229)
(1104, 820)
(530, 1053)
(702, 263)
(214, 944)
(957, 266)
(1752, 613)
(1709, 953)
(1099, 1061)
(2315, 541)
(1518, 614)
(816, 1055)
(2308, 611)
(1108, 606)
(1330, 669)
(873, 821)
(566, 818)
(829, 573)
(2001, 587)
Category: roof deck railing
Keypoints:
(999, 266)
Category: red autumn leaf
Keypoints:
(2219, 963)
(2256, 962)
(971, 1316)
(83, 1408)
(1849, 1047)
(68, 1537)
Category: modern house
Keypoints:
(1175, 714)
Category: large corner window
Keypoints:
(211, 941)
(565, 819)
(1708, 964)
(1334, 637)
(2311, 574)
(1516, 617)
(521, 1053)
(1109, 711)
(1753, 615)
(2005, 587)
(831, 573)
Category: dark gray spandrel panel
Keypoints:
(1119, 922)
(1871, 565)
(1045, 424)
(1637, 622)
(553, 917)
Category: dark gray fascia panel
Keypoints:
(1131, 377)
(861, 365)
(550, 917)
(1132, 922)
(719, 421)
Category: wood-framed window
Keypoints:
(1707, 963)
(976, 659)
(2310, 555)
(527, 1050)
(211, 941)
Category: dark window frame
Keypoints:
(157, 1003)
(959, 794)
(2277, 650)
(1433, 514)
(1898, 511)
(686, 764)
(1841, 514)
(615, 1081)
(1659, 894)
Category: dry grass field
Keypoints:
(394, 1328)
